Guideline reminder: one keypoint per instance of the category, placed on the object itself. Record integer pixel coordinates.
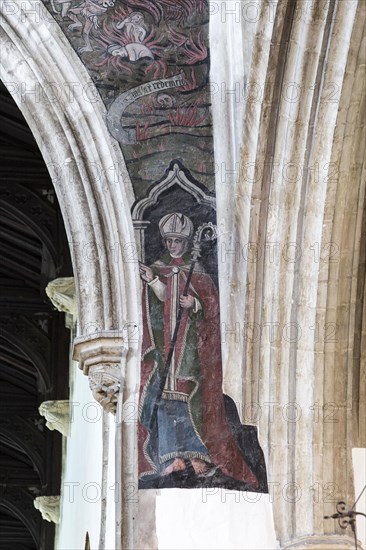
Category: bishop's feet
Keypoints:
(178, 464)
(199, 466)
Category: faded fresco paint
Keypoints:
(150, 63)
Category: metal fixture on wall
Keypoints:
(347, 516)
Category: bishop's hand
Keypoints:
(186, 302)
(146, 273)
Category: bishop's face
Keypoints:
(176, 246)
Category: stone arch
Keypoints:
(65, 113)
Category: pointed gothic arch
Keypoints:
(62, 108)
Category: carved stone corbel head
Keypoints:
(62, 292)
(104, 382)
(49, 506)
(100, 357)
(57, 414)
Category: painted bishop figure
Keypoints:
(183, 431)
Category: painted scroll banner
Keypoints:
(116, 110)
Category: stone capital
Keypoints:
(100, 357)
(104, 347)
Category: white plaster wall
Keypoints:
(82, 469)
(202, 519)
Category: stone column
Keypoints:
(280, 297)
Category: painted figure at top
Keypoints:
(133, 33)
(189, 436)
(133, 27)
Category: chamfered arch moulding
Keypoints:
(71, 132)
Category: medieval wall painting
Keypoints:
(149, 60)
(189, 432)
